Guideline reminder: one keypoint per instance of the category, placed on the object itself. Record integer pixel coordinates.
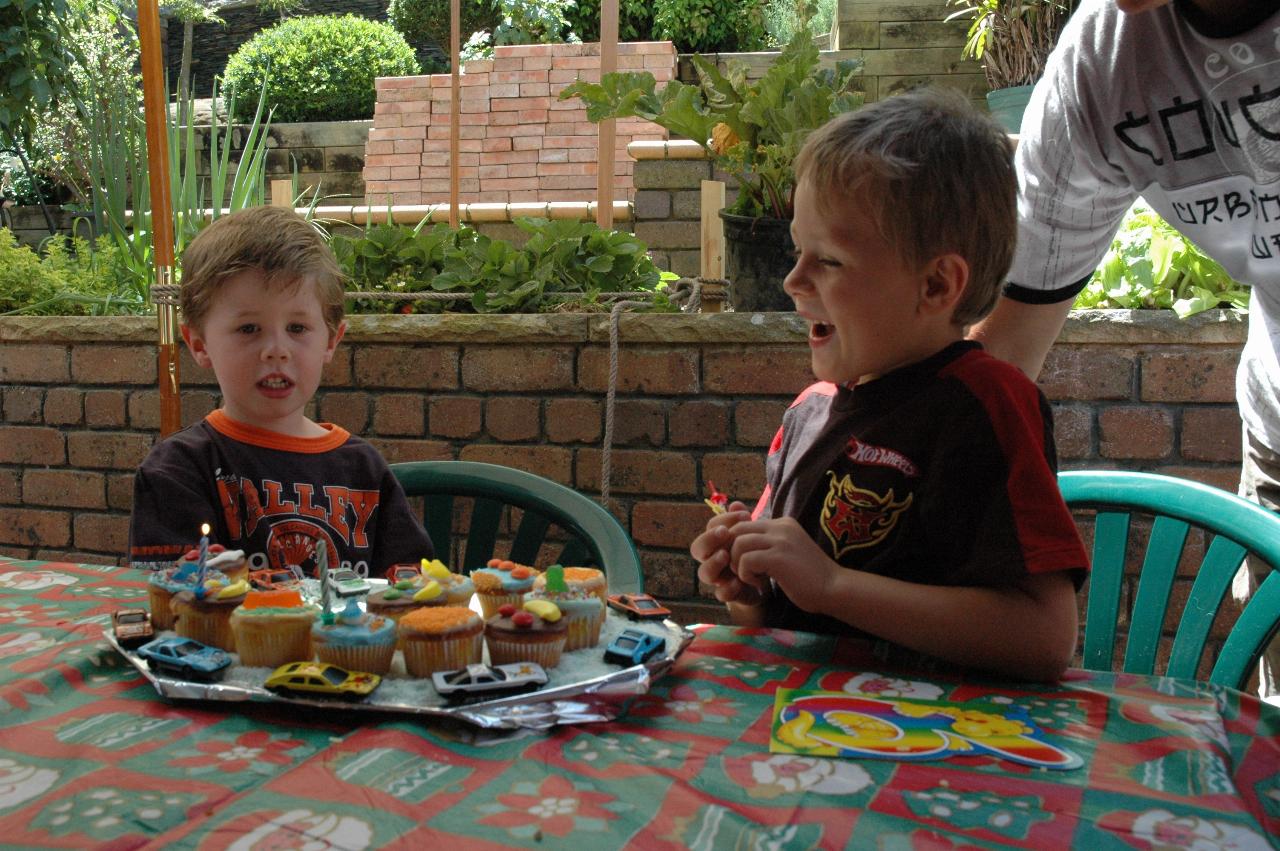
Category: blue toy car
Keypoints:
(185, 659)
(633, 647)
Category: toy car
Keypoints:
(403, 573)
(272, 579)
(489, 681)
(185, 658)
(322, 678)
(132, 627)
(638, 606)
(345, 582)
(633, 647)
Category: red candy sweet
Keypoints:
(506, 610)
(522, 620)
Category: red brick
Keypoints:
(1087, 372)
(395, 451)
(650, 370)
(756, 422)
(428, 368)
(112, 364)
(10, 487)
(1130, 431)
(638, 471)
(105, 409)
(1211, 434)
(740, 475)
(1189, 375)
(23, 405)
(144, 407)
(456, 416)
(106, 449)
(402, 414)
(31, 445)
(550, 462)
(348, 410)
(772, 370)
(668, 524)
(638, 422)
(120, 491)
(32, 528)
(64, 406)
(699, 424)
(1073, 431)
(517, 368)
(669, 575)
(102, 532)
(1226, 478)
(574, 420)
(64, 488)
(33, 364)
(511, 419)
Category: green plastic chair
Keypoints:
(1237, 526)
(595, 536)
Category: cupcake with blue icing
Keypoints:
(501, 583)
(458, 589)
(581, 609)
(169, 581)
(355, 640)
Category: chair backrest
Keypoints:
(1237, 527)
(595, 536)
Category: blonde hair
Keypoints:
(937, 176)
(273, 240)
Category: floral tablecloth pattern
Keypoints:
(90, 756)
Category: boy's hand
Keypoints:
(781, 550)
(711, 549)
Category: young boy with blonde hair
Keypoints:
(911, 493)
(262, 307)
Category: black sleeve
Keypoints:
(170, 502)
(401, 537)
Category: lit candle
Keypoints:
(200, 564)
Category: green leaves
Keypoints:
(1151, 265)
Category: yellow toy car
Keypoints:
(308, 678)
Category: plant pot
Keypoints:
(758, 255)
(1007, 106)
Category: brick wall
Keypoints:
(518, 141)
(699, 398)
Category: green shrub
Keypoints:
(711, 26)
(424, 22)
(783, 18)
(635, 20)
(322, 68)
(61, 281)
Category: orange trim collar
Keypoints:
(266, 439)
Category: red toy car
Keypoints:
(638, 606)
(132, 627)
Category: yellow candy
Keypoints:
(435, 567)
(235, 589)
(544, 609)
(428, 592)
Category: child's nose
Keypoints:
(275, 346)
(796, 280)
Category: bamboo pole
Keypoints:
(605, 153)
(455, 108)
(155, 112)
(712, 198)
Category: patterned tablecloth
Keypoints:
(91, 757)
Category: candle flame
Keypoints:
(204, 529)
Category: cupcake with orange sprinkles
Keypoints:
(440, 639)
(589, 580)
(502, 582)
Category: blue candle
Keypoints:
(200, 564)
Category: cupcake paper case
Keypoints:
(356, 640)
(444, 638)
(534, 632)
(272, 628)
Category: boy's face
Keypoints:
(267, 346)
(868, 313)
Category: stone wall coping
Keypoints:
(411, 214)
(1103, 327)
(672, 149)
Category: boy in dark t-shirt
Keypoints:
(262, 307)
(911, 494)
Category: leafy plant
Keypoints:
(635, 20)
(424, 22)
(1011, 38)
(74, 279)
(319, 68)
(784, 18)
(523, 22)
(711, 26)
(752, 130)
(1151, 265)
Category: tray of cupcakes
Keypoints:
(507, 646)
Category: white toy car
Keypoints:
(489, 681)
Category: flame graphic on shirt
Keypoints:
(853, 517)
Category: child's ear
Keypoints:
(195, 343)
(335, 337)
(946, 277)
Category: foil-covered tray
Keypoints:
(582, 688)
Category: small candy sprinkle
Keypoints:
(506, 610)
(521, 572)
(522, 620)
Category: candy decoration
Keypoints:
(522, 620)
(555, 579)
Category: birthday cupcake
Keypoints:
(441, 639)
(206, 616)
(534, 632)
(587, 579)
(580, 609)
(355, 640)
(273, 627)
(500, 583)
(168, 581)
(397, 600)
(458, 589)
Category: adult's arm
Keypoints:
(1021, 333)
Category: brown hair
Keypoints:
(274, 240)
(938, 177)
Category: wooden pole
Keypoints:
(605, 153)
(712, 243)
(282, 193)
(455, 108)
(156, 115)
